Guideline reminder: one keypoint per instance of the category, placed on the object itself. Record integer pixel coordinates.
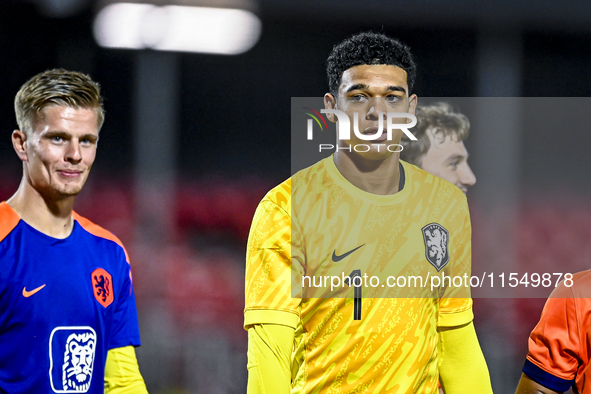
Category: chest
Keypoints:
(56, 285)
(382, 241)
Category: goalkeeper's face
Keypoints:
(368, 93)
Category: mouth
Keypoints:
(375, 130)
(69, 174)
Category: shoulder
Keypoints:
(8, 220)
(569, 304)
(305, 182)
(275, 209)
(280, 195)
(581, 284)
(443, 201)
(317, 179)
(99, 232)
(578, 285)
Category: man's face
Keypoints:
(372, 91)
(448, 159)
(58, 153)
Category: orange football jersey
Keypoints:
(560, 344)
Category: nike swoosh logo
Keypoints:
(336, 258)
(30, 293)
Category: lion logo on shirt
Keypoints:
(102, 287)
(72, 351)
(436, 245)
(78, 362)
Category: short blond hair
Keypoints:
(56, 87)
(444, 121)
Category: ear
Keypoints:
(412, 103)
(330, 102)
(19, 139)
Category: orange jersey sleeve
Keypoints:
(558, 354)
(8, 220)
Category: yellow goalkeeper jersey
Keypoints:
(364, 335)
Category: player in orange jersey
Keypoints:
(359, 212)
(559, 356)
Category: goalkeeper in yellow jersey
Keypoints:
(361, 212)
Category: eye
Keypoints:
(57, 139)
(87, 141)
(454, 164)
(358, 98)
(393, 99)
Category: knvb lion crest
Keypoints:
(102, 286)
(436, 245)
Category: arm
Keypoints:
(272, 313)
(462, 367)
(528, 386)
(122, 373)
(269, 357)
(553, 347)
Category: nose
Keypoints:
(377, 108)
(73, 153)
(467, 177)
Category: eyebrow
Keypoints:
(90, 137)
(362, 86)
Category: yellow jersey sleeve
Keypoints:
(122, 373)
(268, 298)
(457, 311)
(269, 357)
(462, 366)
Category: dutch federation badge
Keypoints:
(436, 245)
(102, 286)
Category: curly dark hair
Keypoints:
(368, 48)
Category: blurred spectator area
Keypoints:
(552, 234)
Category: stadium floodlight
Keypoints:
(225, 31)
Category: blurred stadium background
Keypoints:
(192, 141)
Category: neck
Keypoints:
(51, 216)
(372, 176)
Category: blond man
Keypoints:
(440, 149)
(68, 320)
